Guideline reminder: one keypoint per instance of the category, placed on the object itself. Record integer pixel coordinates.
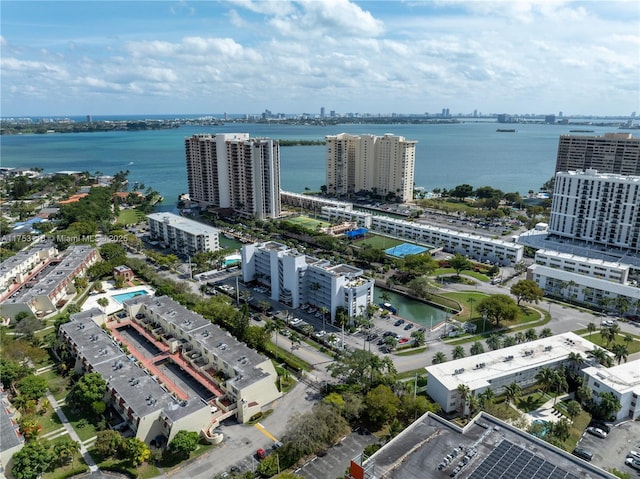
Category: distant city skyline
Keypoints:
(69, 58)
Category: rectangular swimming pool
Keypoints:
(124, 296)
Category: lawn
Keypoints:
(448, 271)
(596, 338)
(464, 299)
(378, 242)
(81, 425)
(307, 222)
(58, 385)
(76, 467)
(130, 217)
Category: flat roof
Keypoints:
(135, 385)
(184, 224)
(586, 280)
(623, 377)
(583, 259)
(478, 371)
(433, 448)
(211, 337)
(9, 432)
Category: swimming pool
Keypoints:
(124, 296)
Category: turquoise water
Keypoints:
(412, 310)
(446, 155)
(124, 296)
(231, 262)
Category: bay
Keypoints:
(446, 154)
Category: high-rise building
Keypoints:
(183, 235)
(383, 165)
(231, 170)
(612, 153)
(597, 208)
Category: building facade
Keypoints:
(49, 285)
(183, 235)
(496, 369)
(612, 153)
(295, 279)
(623, 381)
(231, 170)
(600, 209)
(383, 165)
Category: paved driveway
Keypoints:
(337, 459)
(611, 452)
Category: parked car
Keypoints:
(596, 432)
(261, 453)
(319, 334)
(583, 453)
(403, 340)
(608, 322)
(634, 454)
(632, 462)
(399, 322)
(408, 326)
(600, 425)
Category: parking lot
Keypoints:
(611, 452)
(337, 458)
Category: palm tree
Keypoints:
(520, 337)
(385, 297)
(530, 334)
(546, 333)
(575, 359)
(458, 352)
(512, 392)
(438, 358)
(273, 327)
(620, 352)
(471, 300)
(608, 334)
(476, 348)
(545, 378)
(573, 409)
(295, 340)
(599, 354)
(324, 310)
(494, 341)
(486, 397)
(608, 405)
(591, 328)
(463, 392)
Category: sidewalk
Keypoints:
(72, 433)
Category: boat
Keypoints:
(389, 307)
(581, 131)
(506, 130)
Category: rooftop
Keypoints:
(621, 378)
(184, 224)
(478, 371)
(486, 448)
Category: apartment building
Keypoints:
(623, 381)
(600, 209)
(231, 170)
(239, 380)
(295, 279)
(16, 269)
(597, 268)
(145, 405)
(476, 247)
(383, 165)
(49, 285)
(310, 202)
(617, 153)
(182, 235)
(496, 369)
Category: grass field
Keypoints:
(308, 222)
(130, 217)
(379, 242)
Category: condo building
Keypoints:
(295, 279)
(182, 235)
(41, 281)
(612, 153)
(600, 209)
(623, 381)
(231, 170)
(383, 165)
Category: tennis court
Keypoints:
(405, 249)
(308, 222)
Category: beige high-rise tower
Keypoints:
(231, 170)
(383, 165)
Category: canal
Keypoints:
(413, 310)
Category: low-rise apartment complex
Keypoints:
(496, 369)
(183, 235)
(41, 282)
(295, 278)
(623, 381)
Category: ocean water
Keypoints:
(446, 155)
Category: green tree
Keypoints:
(620, 352)
(608, 405)
(494, 341)
(527, 290)
(109, 443)
(463, 393)
(459, 263)
(573, 409)
(476, 348)
(438, 358)
(65, 450)
(136, 451)
(381, 405)
(512, 392)
(458, 352)
(499, 307)
(462, 191)
(32, 387)
(32, 460)
(184, 443)
(417, 264)
(418, 337)
(363, 369)
(88, 392)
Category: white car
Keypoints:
(597, 432)
(319, 334)
(295, 321)
(632, 462)
(608, 322)
(634, 454)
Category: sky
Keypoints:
(377, 57)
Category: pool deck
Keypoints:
(110, 291)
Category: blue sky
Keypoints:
(209, 57)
